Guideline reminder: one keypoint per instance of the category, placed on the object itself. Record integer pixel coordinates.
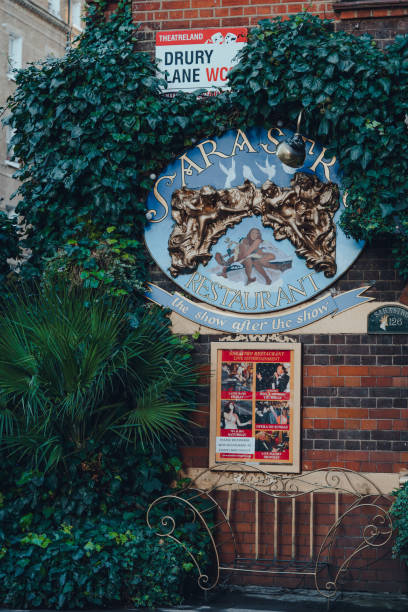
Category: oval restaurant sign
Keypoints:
(236, 228)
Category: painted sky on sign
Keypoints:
(223, 174)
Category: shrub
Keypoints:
(99, 563)
(353, 96)
(77, 369)
(93, 131)
(80, 539)
(399, 513)
(9, 248)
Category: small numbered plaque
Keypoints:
(388, 320)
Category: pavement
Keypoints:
(271, 599)
(256, 599)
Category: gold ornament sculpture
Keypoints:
(303, 213)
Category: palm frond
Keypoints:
(8, 421)
(72, 369)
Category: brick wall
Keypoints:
(380, 18)
(372, 570)
(355, 386)
(184, 14)
(382, 29)
(354, 415)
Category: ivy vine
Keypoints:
(9, 251)
(93, 131)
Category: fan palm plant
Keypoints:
(73, 372)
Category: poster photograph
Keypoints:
(255, 405)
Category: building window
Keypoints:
(14, 54)
(54, 7)
(76, 14)
(10, 158)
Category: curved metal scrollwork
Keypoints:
(213, 489)
(168, 522)
(374, 534)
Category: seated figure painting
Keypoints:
(254, 255)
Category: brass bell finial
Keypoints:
(292, 151)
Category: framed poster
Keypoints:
(255, 405)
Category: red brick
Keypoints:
(234, 2)
(403, 298)
(384, 370)
(317, 412)
(295, 8)
(199, 418)
(204, 3)
(221, 12)
(369, 424)
(318, 465)
(322, 370)
(352, 381)
(384, 381)
(401, 381)
(348, 15)
(400, 425)
(159, 16)
(232, 22)
(191, 14)
(379, 12)
(353, 465)
(353, 424)
(264, 9)
(321, 423)
(308, 423)
(384, 468)
(171, 5)
(364, 13)
(353, 455)
(236, 10)
(398, 12)
(353, 413)
(336, 424)
(190, 453)
(177, 24)
(321, 381)
(143, 6)
(399, 467)
(279, 9)
(368, 381)
(385, 425)
(366, 466)
(384, 413)
(209, 23)
(387, 456)
(353, 370)
(336, 381)
(318, 454)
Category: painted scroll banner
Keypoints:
(227, 322)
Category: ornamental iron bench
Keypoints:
(312, 524)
